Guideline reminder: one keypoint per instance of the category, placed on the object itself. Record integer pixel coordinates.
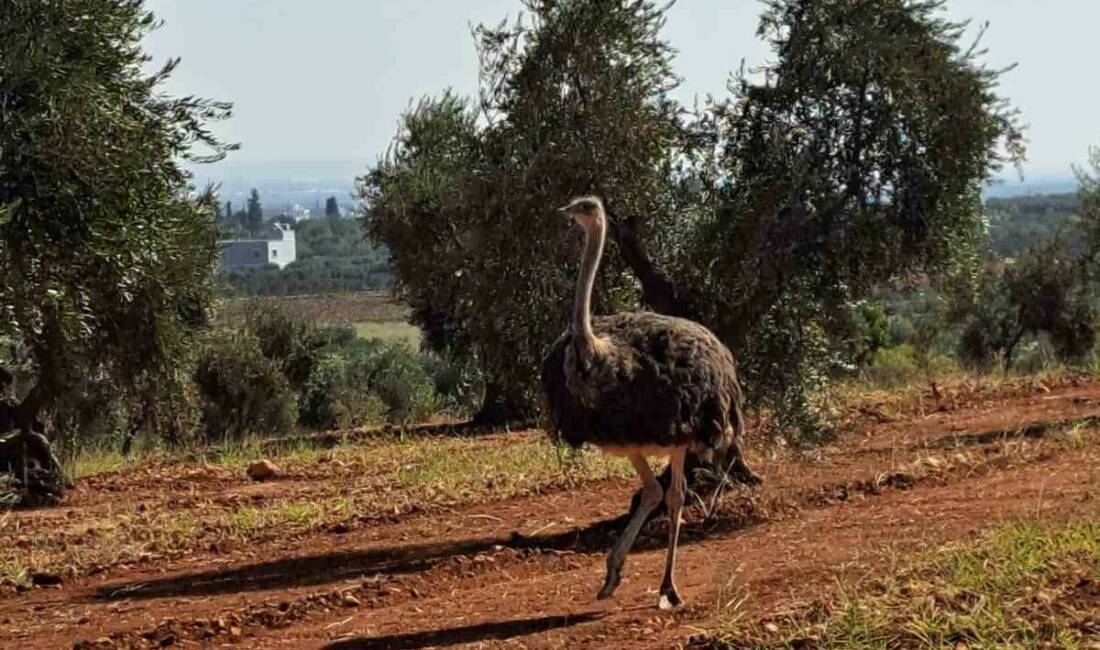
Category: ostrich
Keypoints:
(639, 384)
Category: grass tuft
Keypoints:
(1023, 585)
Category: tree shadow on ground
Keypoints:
(497, 631)
(324, 568)
(1031, 430)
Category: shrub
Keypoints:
(373, 380)
(458, 383)
(904, 364)
(241, 391)
(289, 341)
(395, 374)
(335, 397)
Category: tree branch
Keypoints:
(657, 290)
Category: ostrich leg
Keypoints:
(674, 501)
(651, 496)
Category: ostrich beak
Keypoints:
(565, 210)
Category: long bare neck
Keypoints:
(582, 302)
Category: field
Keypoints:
(965, 519)
(373, 314)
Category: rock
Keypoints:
(262, 470)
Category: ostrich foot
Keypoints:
(609, 585)
(670, 599)
(750, 479)
(743, 474)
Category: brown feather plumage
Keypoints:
(657, 381)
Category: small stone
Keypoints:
(262, 470)
(771, 628)
(351, 601)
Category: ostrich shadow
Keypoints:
(494, 631)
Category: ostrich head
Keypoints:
(586, 211)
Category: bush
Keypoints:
(241, 391)
(372, 380)
(458, 384)
(287, 340)
(395, 374)
(335, 397)
(905, 364)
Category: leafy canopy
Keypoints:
(855, 156)
(106, 256)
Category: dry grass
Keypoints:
(362, 307)
(350, 485)
(856, 399)
(1025, 584)
(399, 331)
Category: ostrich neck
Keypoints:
(582, 308)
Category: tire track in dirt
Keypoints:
(418, 576)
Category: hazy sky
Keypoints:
(317, 81)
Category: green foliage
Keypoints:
(1041, 293)
(858, 157)
(337, 396)
(336, 238)
(1017, 223)
(396, 375)
(241, 391)
(367, 382)
(106, 255)
(290, 342)
(872, 328)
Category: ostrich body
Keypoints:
(639, 384)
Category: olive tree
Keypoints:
(574, 99)
(106, 251)
(855, 156)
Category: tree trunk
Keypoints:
(657, 290)
(137, 422)
(497, 408)
(26, 456)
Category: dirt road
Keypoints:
(522, 573)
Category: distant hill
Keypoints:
(1011, 186)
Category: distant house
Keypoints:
(298, 213)
(242, 253)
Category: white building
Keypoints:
(243, 253)
(298, 213)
